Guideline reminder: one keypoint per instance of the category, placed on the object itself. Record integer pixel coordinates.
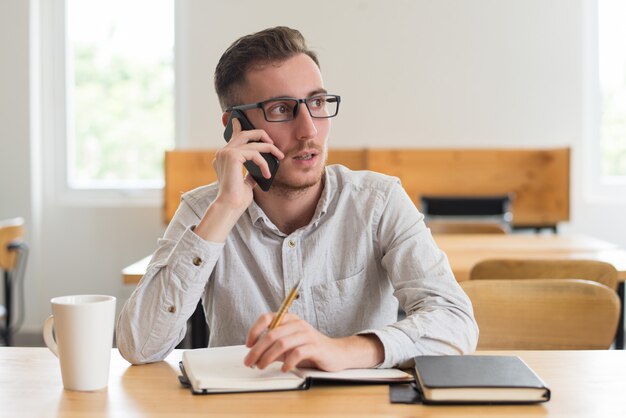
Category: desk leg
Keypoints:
(619, 337)
(8, 305)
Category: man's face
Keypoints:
(303, 140)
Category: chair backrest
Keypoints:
(11, 230)
(466, 228)
(543, 314)
(597, 271)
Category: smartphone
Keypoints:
(253, 169)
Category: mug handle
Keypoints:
(48, 337)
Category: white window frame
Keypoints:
(56, 119)
(597, 188)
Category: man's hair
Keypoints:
(268, 46)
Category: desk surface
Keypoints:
(584, 384)
(465, 250)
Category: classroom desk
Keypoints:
(584, 384)
(465, 250)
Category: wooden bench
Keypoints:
(538, 178)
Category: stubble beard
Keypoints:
(293, 190)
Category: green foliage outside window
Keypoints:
(123, 116)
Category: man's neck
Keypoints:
(290, 209)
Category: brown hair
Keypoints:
(267, 46)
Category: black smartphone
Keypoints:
(253, 169)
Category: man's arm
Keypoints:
(235, 192)
(440, 318)
(154, 319)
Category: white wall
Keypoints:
(447, 73)
(15, 166)
(14, 111)
(421, 73)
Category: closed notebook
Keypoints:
(478, 379)
(221, 370)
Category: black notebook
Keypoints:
(221, 370)
(478, 379)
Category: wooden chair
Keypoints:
(597, 271)
(13, 254)
(466, 228)
(543, 314)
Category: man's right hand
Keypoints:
(235, 190)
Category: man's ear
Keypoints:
(225, 117)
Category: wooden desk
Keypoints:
(584, 384)
(133, 273)
(465, 250)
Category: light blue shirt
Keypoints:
(365, 250)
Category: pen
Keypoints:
(284, 307)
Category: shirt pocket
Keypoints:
(341, 306)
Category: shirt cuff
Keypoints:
(397, 345)
(193, 257)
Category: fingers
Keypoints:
(248, 146)
(292, 342)
(255, 156)
(259, 327)
(297, 356)
(250, 181)
(243, 137)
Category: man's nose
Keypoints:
(305, 126)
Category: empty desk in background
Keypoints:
(585, 384)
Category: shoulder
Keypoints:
(363, 180)
(200, 198)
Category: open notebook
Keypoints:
(221, 370)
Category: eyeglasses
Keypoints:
(284, 109)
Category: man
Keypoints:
(354, 238)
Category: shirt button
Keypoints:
(197, 261)
(291, 243)
(171, 309)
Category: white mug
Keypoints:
(83, 327)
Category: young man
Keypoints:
(354, 238)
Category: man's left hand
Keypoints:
(297, 344)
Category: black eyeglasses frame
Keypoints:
(261, 105)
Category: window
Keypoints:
(119, 94)
(612, 80)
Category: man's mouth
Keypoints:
(304, 156)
